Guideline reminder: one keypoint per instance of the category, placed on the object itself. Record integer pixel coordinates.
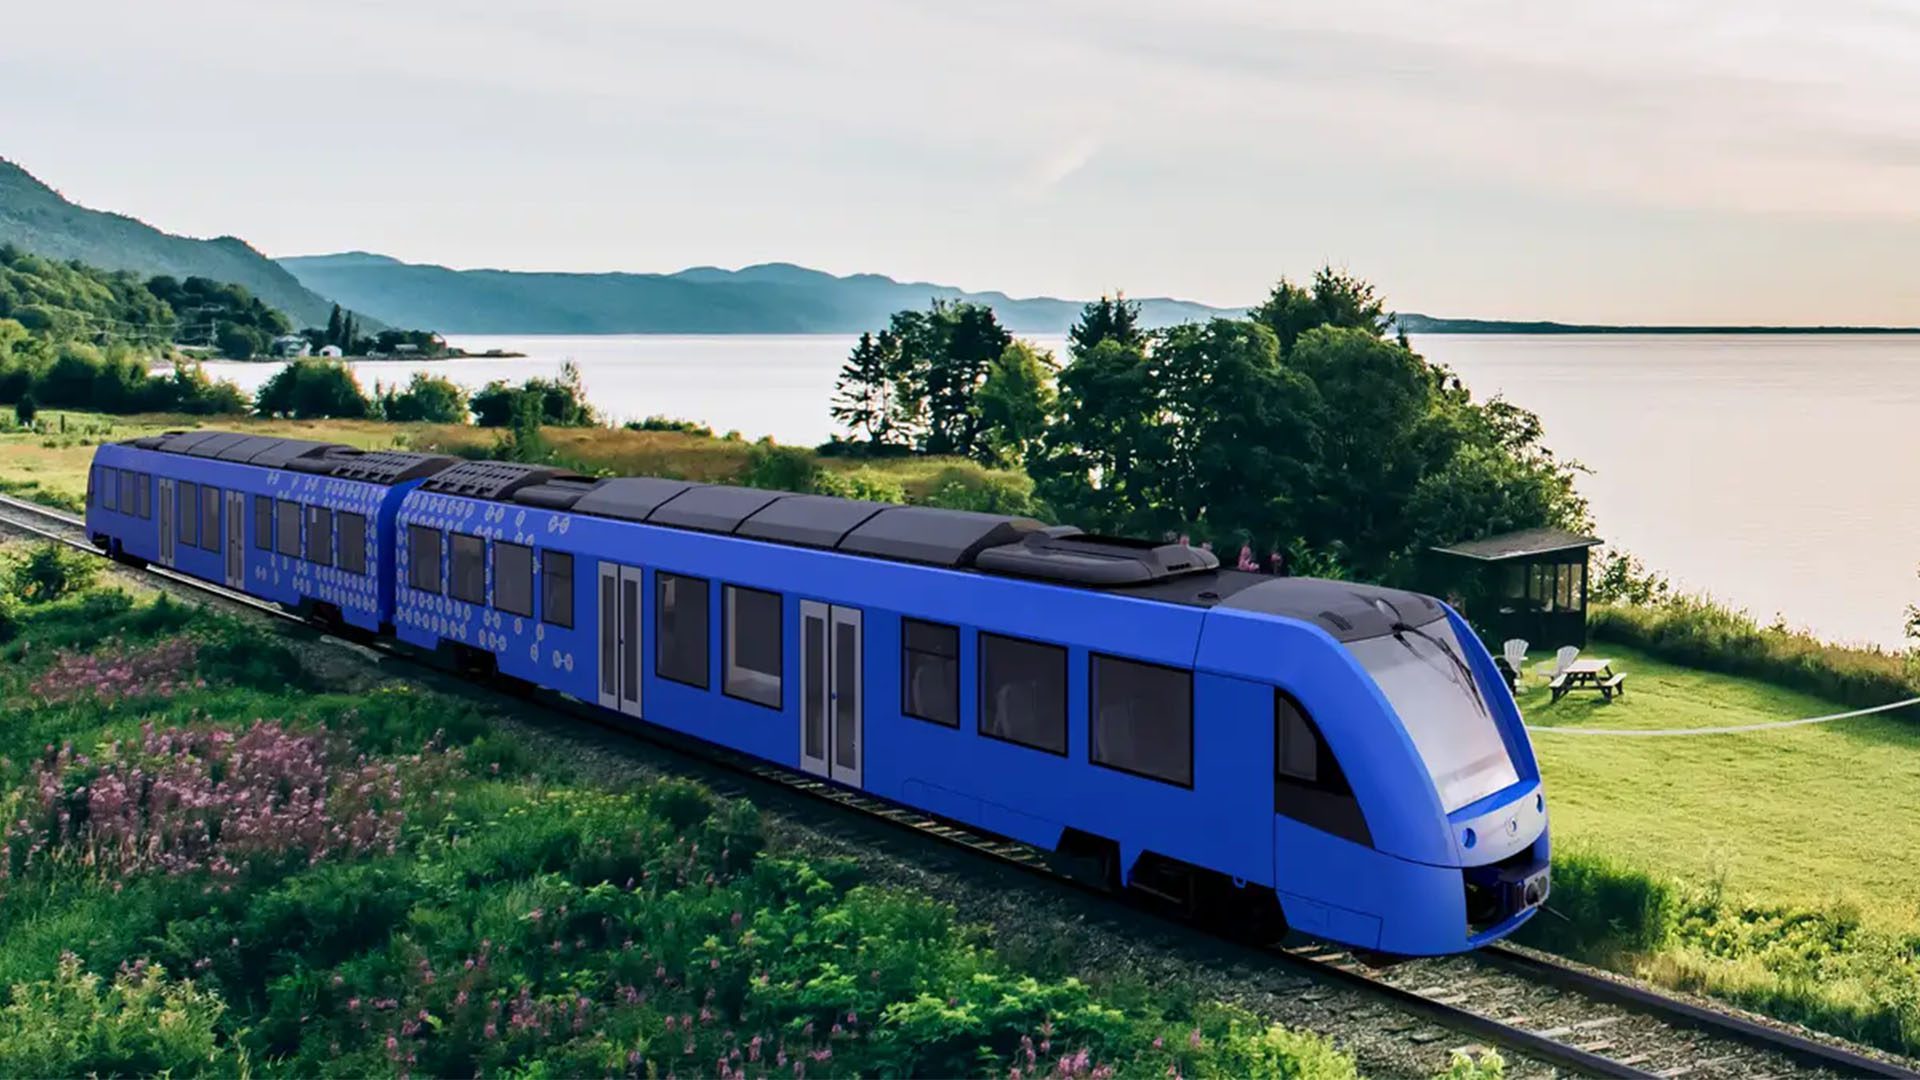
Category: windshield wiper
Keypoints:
(1401, 629)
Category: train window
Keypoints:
(930, 672)
(423, 558)
(210, 518)
(753, 646)
(680, 609)
(106, 492)
(556, 588)
(353, 541)
(468, 581)
(128, 503)
(1142, 719)
(187, 521)
(1308, 785)
(1023, 692)
(263, 522)
(513, 578)
(287, 528)
(143, 495)
(319, 536)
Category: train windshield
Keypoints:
(1423, 673)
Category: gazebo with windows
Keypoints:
(1530, 584)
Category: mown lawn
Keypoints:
(1807, 815)
(1774, 869)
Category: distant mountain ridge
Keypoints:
(769, 298)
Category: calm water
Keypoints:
(1774, 471)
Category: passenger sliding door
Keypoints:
(167, 530)
(832, 716)
(620, 637)
(236, 540)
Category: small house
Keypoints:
(1530, 584)
(290, 345)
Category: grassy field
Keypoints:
(1811, 815)
(1773, 868)
(55, 459)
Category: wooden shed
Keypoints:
(1530, 584)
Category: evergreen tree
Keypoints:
(1110, 318)
(335, 327)
(866, 399)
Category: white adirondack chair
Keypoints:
(1515, 650)
(1564, 659)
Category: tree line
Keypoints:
(1309, 427)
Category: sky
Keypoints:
(1622, 161)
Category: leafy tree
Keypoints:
(1110, 318)
(237, 342)
(1101, 459)
(426, 399)
(313, 388)
(945, 352)
(1336, 299)
(562, 402)
(1014, 403)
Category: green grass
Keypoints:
(1808, 816)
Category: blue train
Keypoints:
(1340, 756)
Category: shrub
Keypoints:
(866, 484)
(664, 423)
(426, 399)
(313, 388)
(780, 468)
(25, 410)
(1697, 632)
(958, 488)
(50, 571)
(143, 1023)
(1602, 909)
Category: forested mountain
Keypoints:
(772, 298)
(37, 219)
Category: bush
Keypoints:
(50, 571)
(562, 401)
(25, 410)
(143, 1023)
(1697, 632)
(311, 389)
(663, 423)
(1602, 910)
(958, 488)
(427, 399)
(780, 468)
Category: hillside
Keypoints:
(38, 219)
(773, 298)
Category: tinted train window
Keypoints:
(319, 536)
(287, 528)
(143, 494)
(187, 522)
(353, 542)
(423, 558)
(1142, 719)
(680, 609)
(469, 578)
(752, 670)
(263, 523)
(106, 491)
(513, 578)
(129, 502)
(1023, 692)
(930, 673)
(210, 518)
(556, 588)
(1308, 785)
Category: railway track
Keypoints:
(1559, 1018)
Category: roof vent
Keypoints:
(489, 479)
(1060, 554)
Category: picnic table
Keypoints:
(1589, 674)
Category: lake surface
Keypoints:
(1775, 471)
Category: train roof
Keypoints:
(299, 455)
(1000, 544)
